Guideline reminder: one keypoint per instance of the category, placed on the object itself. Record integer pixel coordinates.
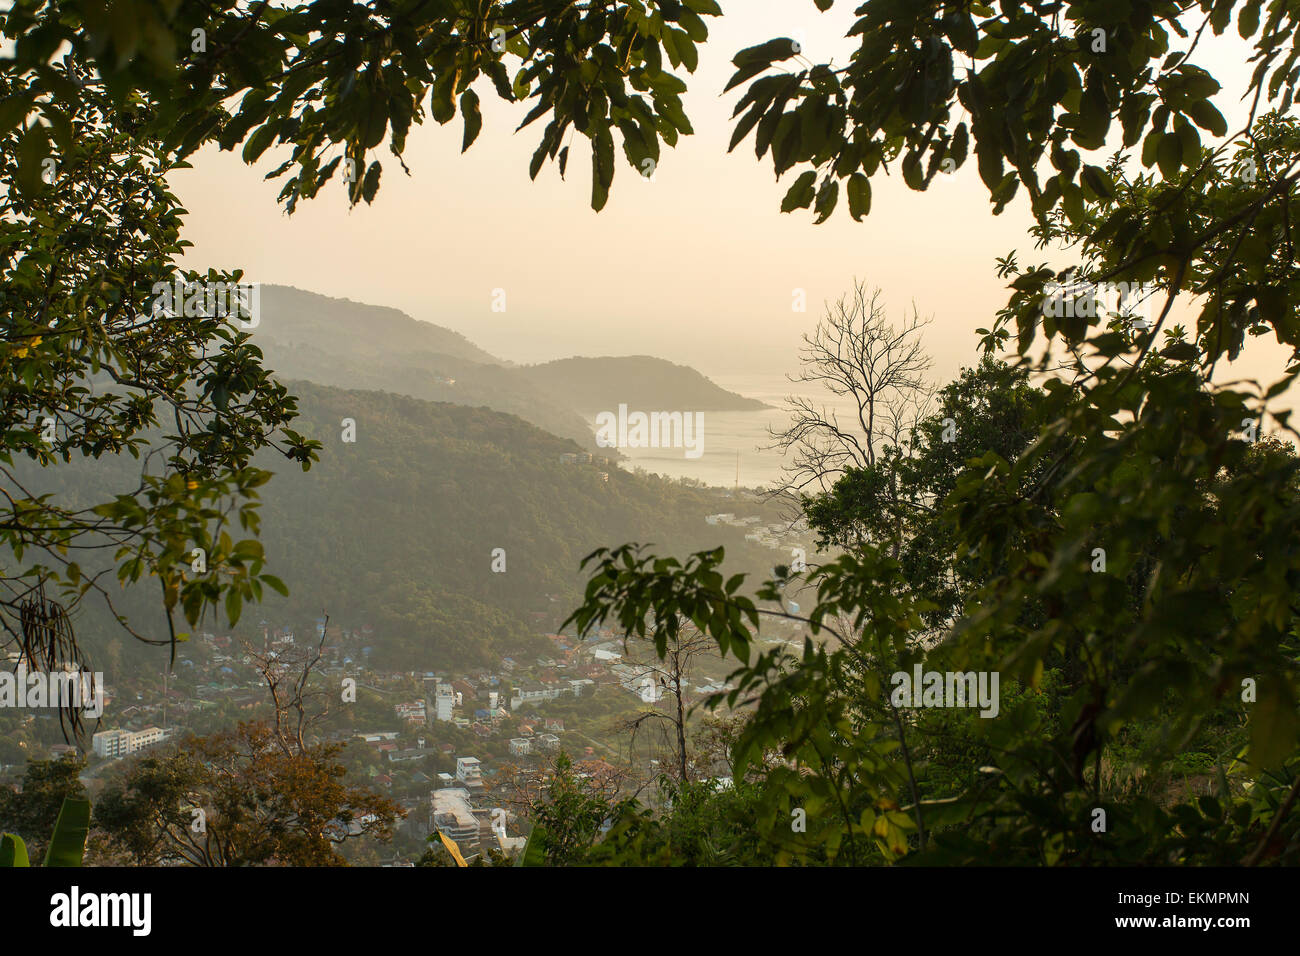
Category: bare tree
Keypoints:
(287, 673)
(855, 353)
(672, 674)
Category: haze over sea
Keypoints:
(737, 437)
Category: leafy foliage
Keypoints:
(334, 80)
(259, 803)
(31, 814)
(91, 367)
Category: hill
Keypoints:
(352, 345)
(341, 326)
(397, 530)
(592, 385)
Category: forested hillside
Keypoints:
(397, 528)
(352, 345)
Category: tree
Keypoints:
(32, 811)
(335, 80)
(263, 793)
(671, 672)
(237, 799)
(295, 706)
(93, 363)
(897, 501)
(570, 816)
(1114, 634)
(1139, 520)
(854, 354)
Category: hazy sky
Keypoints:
(697, 267)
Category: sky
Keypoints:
(698, 266)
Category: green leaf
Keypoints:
(13, 109)
(1098, 181)
(602, 168)
(33, 149)
(442, 104)
(1189, 142)
(233, 606)
(1205, 115)
(1273, 723)
(535, 849)
(68, 844)
(800, 195)
(1150, 147)
(827, 197)
(859, 190)
(755, 59)
(473, 118)
(370, 185)
(1248, 19)
(13, 851)
(1169, 154)
(259, 142)
(1181, 352)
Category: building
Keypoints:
(640, 679)
(406, 756)
(468, 771)
(112, 744)
(412, 713)
(526, 693)
(451, 814)
(520, 746)
(147, 738)
(444, 700)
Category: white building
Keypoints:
(444, 701)
(639, 679)
(469, 771)
(534, 692)
(113, 744)
(147, 738)
(451, 813)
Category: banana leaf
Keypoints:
(68, 844)
(13, 851)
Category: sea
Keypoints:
(737, 445)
